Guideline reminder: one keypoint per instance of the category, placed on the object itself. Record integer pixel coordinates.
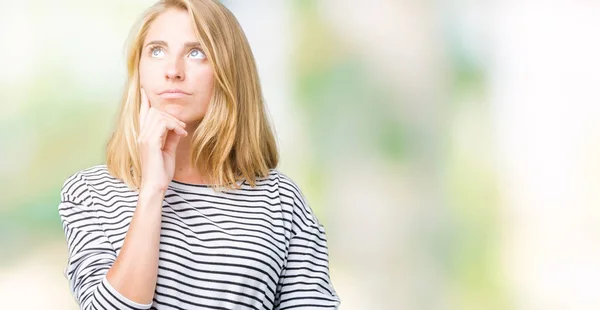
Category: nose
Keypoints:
(175, 70)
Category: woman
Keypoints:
(189, 211)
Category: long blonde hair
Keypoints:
(234, 141)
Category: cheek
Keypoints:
(147, 74)
(203, 79)
(144, 75)
(204, 83)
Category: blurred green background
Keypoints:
(450, 148)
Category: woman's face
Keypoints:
(174, 71)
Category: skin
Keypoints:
(167, 62)
(163, 143)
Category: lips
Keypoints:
(173, 93)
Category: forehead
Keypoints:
(173, 26)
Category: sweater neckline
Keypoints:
(192, 186)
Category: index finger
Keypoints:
(144, 106)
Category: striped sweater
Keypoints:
(249, 248)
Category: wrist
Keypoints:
(153, 187)
(148, 194)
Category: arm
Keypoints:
(96, 275)
(305, 281)
(135, 270)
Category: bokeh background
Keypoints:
(450, 148)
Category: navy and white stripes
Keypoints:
(251, 248)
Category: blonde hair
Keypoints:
(234, 141)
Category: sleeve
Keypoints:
(90, 252)
(305, 281)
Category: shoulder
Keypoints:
(288, 185)
(79, 185)
(291, 195)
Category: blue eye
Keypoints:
(155, 52)
(198, 54)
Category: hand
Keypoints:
(159, 136)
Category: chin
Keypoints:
(183, 114)
(174, 109)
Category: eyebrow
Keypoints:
(163, 43)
